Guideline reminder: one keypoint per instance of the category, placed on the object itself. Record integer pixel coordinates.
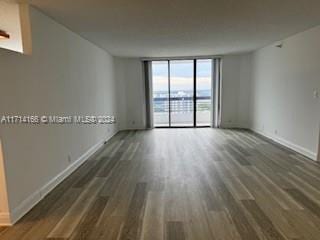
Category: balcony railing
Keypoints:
(181, 110)
(181, 104)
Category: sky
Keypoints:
(181, 75)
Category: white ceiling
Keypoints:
(164, 28)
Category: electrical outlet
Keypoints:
(69, 159)
(133, 122)
(275, 131)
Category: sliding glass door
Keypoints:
(182, 92)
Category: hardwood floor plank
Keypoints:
(300, 220)
(87, 224)
(134, 150)
(262, 163)
(2, 230)
(122, 198)
(153, 220)
(73, 216)
(112, 163)
(284, 200)
(310, 191)
(92, 173)
(263, 221)
(175, 203)
(41, 209)
(305, 201)
(127, 151)
(108, 229)
(242, 150)
(269, 205)
(234, 184)
(193, 184)
(132, 225)
(42, 228)
(115, 179)
(237, 156)
(211, 196)
(222, 226)
(241, 223)
(175, 231)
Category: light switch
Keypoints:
(316, 94)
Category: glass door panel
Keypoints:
(203, 92)
(181, 93)
(160, 86)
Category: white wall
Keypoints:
(131, 95)
(66, 75)
(235, 90)
(236, 80)
(318, 157)
(283, 81)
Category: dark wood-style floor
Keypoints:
(182, 184)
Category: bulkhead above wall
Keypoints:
(15, 27)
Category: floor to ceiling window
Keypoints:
(203, 92)
(182, 93)
(160, 86)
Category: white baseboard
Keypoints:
(241, 124)
(5, 219)
(133, 128)
(288, 144)
(37, 196)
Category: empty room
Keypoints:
(159, 120)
